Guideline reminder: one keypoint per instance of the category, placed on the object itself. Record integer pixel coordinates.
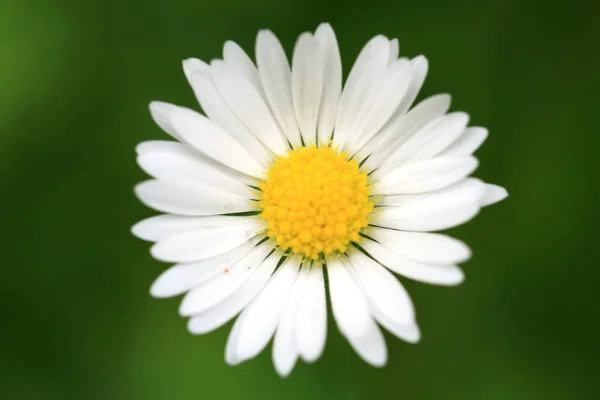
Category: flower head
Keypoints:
(287, 177)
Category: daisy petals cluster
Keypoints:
(291, 179)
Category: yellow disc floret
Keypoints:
(315, 201)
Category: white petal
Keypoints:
(400, 130)
(419, 67)
(429, 140)
(231, 348)
(257, 323)
(311, 323)
(370, 64)
(468, 191)
(193, 66)
(352, 315)
(183, 277)
(160, 113)
(382, 100)
(436, 274)
(424, 247)
(180, 163)
(394, 50)
(427, 175)
(205, 243)
(236, 58)
(275, 75)
(432, 211)
(388, 300)
(467, 142)
(221, 313)
(285, 350)
(433, 221)
(210, 139)
(163, 226)
(493, 194)
(332, 81)
(190, 198)
(307, 84)
(218, 111)
(150, 146)
(225, 284)
(248, 105)
(398, 127)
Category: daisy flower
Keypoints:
(290, 190)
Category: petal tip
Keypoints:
(493, 194)
(414, 336)
(265, 34)
(419, 59)
(156, 292)
(184, 308)
(193, 65)
(160, 252)
(137, 230)
(157, 108)
(445, 96)
(324, 27)
(229, 44)
(283, 370)
(191, 327)
(459, 278)
(379, 363)
(139, 189)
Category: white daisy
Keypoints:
(288, 179)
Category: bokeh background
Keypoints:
(76, 318)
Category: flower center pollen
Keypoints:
(315, 201)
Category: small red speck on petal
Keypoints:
(226, 270)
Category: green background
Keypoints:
(76, 318)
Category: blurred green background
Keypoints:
(77, 320)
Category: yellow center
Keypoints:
(315, 201)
